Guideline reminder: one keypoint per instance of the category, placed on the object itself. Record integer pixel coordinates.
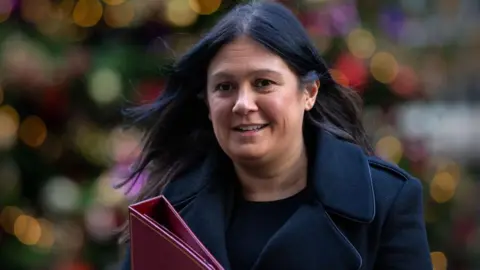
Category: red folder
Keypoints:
(160, 239)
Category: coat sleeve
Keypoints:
(125, 265)
(404, 244)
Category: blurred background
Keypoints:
(69, 67)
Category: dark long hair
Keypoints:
(181, 133)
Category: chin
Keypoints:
(247, 153)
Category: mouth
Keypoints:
(250, 128)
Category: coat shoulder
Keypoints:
(388, 181)
(382, 169)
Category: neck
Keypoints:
(275, 180)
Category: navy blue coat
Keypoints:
(368, 214)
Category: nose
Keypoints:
(245, 102)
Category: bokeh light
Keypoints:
(384, 67)
(204, 7)
(439, 260)
(105, 86)
(361, 43)
(406, 83)
(179, 13)
(6, 7)
(47, 238)
(389, 148)
(33, 131)
(8, 216)
(120, 15)
(35, 11)
(8, 126)
(125, 144)
(105, 193)
(100, 222)
(442, 187)
(61, 195)
(27, 229)
(87, 13)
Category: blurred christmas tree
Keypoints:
(69, 67)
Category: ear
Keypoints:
(311, 91)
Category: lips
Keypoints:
(247, 128)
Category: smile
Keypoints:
(247, 128)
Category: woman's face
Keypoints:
(254, 100)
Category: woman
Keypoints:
(266, 159)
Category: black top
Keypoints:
(253, 224)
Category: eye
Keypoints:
(262, 83)
(223, 87)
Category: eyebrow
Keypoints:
(226, 74)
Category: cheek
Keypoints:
(283, 110)
(219, 113)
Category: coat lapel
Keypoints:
(341, 178)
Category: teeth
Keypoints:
(250, 128)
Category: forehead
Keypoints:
(245, 55)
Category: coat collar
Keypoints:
(340, 175)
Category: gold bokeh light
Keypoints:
(27, 229)
(204, 7)
(9, 119)
(361, 43)
(389, 148)
(179, 13)
(33, 131)
(384, 67)
(439, 260)
(442, 187)
(87, 13)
